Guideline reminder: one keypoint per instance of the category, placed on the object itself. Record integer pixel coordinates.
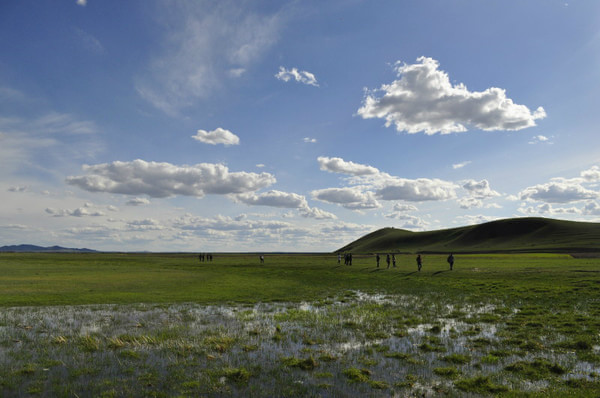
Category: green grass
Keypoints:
(67, 279)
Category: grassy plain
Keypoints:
(299, 325)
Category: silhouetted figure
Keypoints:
(200, 257)
(262, 259)
(387, 260)
(419, 262)
(394, 260)
(339, 258)
(377, 258)
(349, 258)
(450, 260)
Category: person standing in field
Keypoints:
(419, 262)
(377, 259)
(450, 260)
(339, 258)
(387, 260)
(394, 260)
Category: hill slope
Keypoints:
(40, 249)
(510, 235)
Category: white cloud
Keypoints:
(548, 209)
(423, 99)
(82, 3)
(160, 180)
(299, 76)
(592, 209)
(350, 198)
(461, 165)
(310, 140)
(421, 189)
(404, 207)
(79, 212)
(217, 136)
(316, 213)
(206, 43)
(559, 190)
(288, 200)
(18, 188)
(339, 165)
(408, 222)
(539, 139)
(479, 189)
(274, 199)
(592, 174)
(474, 219)
(469, 203)
(137, 202)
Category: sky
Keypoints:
(207, 126)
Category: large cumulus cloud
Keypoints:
(160, 180)
(423, 99)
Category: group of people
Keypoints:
(347, 258)
(449, 259)
(388, 260)
(205, 257)
(391, 259)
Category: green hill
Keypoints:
(510, 235)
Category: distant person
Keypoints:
(377, 259)
(387, 260)
(450, 260)
(339, 258)
(349, 258)
(394, 260)
(262, 259)
(419, 262)
(200, 257)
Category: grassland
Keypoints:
(299, 325)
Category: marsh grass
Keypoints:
(505, 329)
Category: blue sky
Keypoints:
(292, 126)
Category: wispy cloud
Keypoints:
(424, 100)
(461, 165)
(206, 43)
(301, 76)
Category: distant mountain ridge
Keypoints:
(519, 235)
(40, 249)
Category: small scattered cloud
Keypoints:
(299, 76)
(137, 202)
(424, 100)
(461, 165)
(260, 166)
(350, 198)
(18, 188)
(82, 3)
(592, 174)
(79, 212)
(540, 139)
(89, 42)
(309, 140)
(400, 207)
(479, 189)
(217, 136)
(339, 165)
(421, 189)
